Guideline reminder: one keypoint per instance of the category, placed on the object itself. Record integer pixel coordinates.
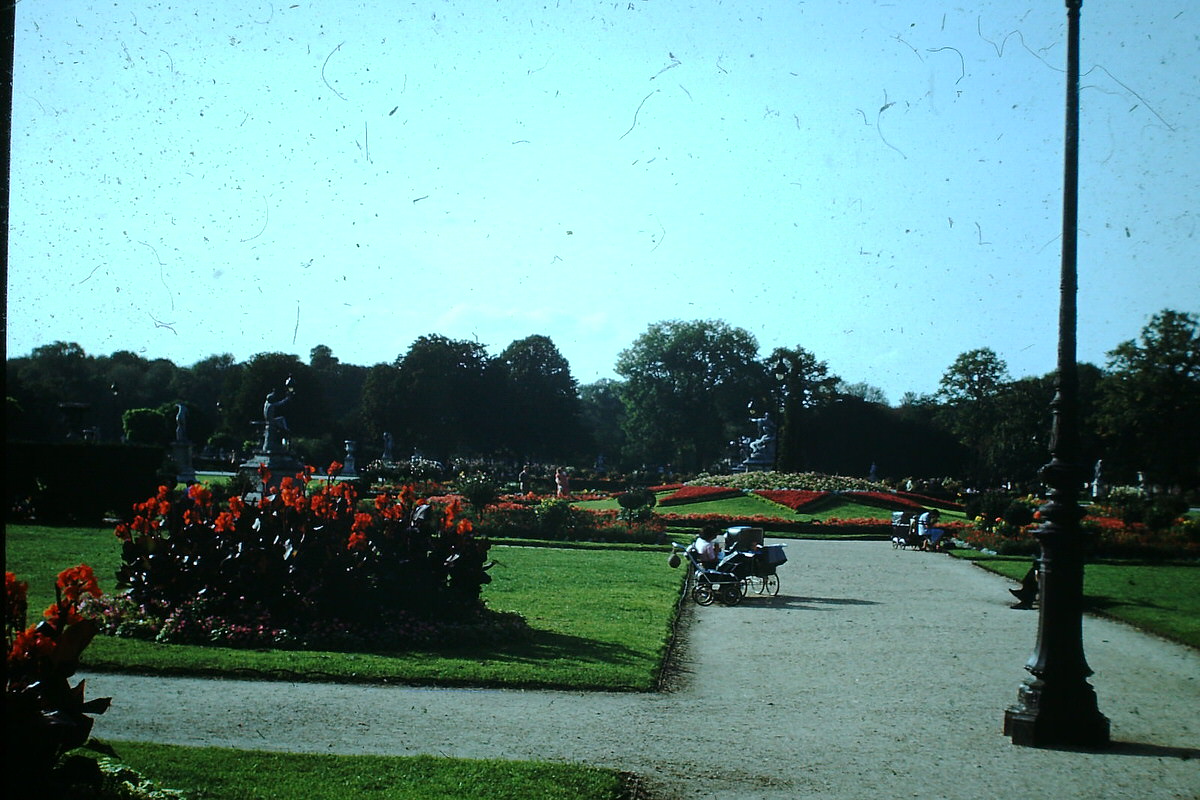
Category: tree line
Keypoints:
(683, 402)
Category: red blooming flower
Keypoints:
(76, 582)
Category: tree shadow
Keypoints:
(1139, 749)
(812, 603)
(544, 646)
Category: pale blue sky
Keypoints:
(880, 183)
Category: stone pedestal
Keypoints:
(181, 454)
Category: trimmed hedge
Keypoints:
(78, 482)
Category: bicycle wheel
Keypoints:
(771, 585)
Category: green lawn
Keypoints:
(222, 774)
(1163, 598)
(557, 590)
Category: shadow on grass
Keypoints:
(548, 646)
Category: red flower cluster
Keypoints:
(885, 499)
(795, 499)
(694, 494)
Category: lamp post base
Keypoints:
(1064, 715)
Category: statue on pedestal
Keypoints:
(274, 423)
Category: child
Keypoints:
(705, 547)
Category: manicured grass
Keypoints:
(601, 619)
(222, 774)
(1163, 598)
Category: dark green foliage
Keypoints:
(478, 490)
(1018, 514)
(44, 715)
(77, 482)
(988, 506)
(302, 569)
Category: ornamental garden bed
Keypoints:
(796, 499)
(696, 494)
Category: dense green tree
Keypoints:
(446, 391)
(380, 406)
(1150, 404)
(341, 387)
(803, 383)
(686, 389)
(541, 401)
(970, 391)
(603, 418)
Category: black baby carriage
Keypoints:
(747, 565)
(755, 563)
(706, 584)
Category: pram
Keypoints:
(755, 563)
(706, 584)
(904, 530)
(746, 565)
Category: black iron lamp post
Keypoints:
(1056, 706)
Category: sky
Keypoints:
(879, 183)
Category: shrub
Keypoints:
(44, 715)
(987, 508)
(307, 568)
(478, 490)
(637, 505)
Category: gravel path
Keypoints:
(876, 673)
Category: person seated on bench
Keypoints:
(930, 535)
(705, 547)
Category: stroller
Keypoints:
(746, 565)
(751, 560)
(706, 584)
(904, 531)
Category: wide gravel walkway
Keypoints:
(876, 673)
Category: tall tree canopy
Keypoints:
(686, 388)
(542, 400)
(1150, 406)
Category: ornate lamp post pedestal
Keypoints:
(1056, 706)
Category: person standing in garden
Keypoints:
(562, 482)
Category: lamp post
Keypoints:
(1056, 706)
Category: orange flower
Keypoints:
(76, 582)
(225, 522)
(200, 494)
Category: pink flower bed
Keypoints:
(694, 494)
(795, 499)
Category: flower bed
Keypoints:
(812, 481)
(888, 500)
(795, 499)
(555, 520)
(696, 494)
(307, 566)
(847, 527)
(931, 502)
